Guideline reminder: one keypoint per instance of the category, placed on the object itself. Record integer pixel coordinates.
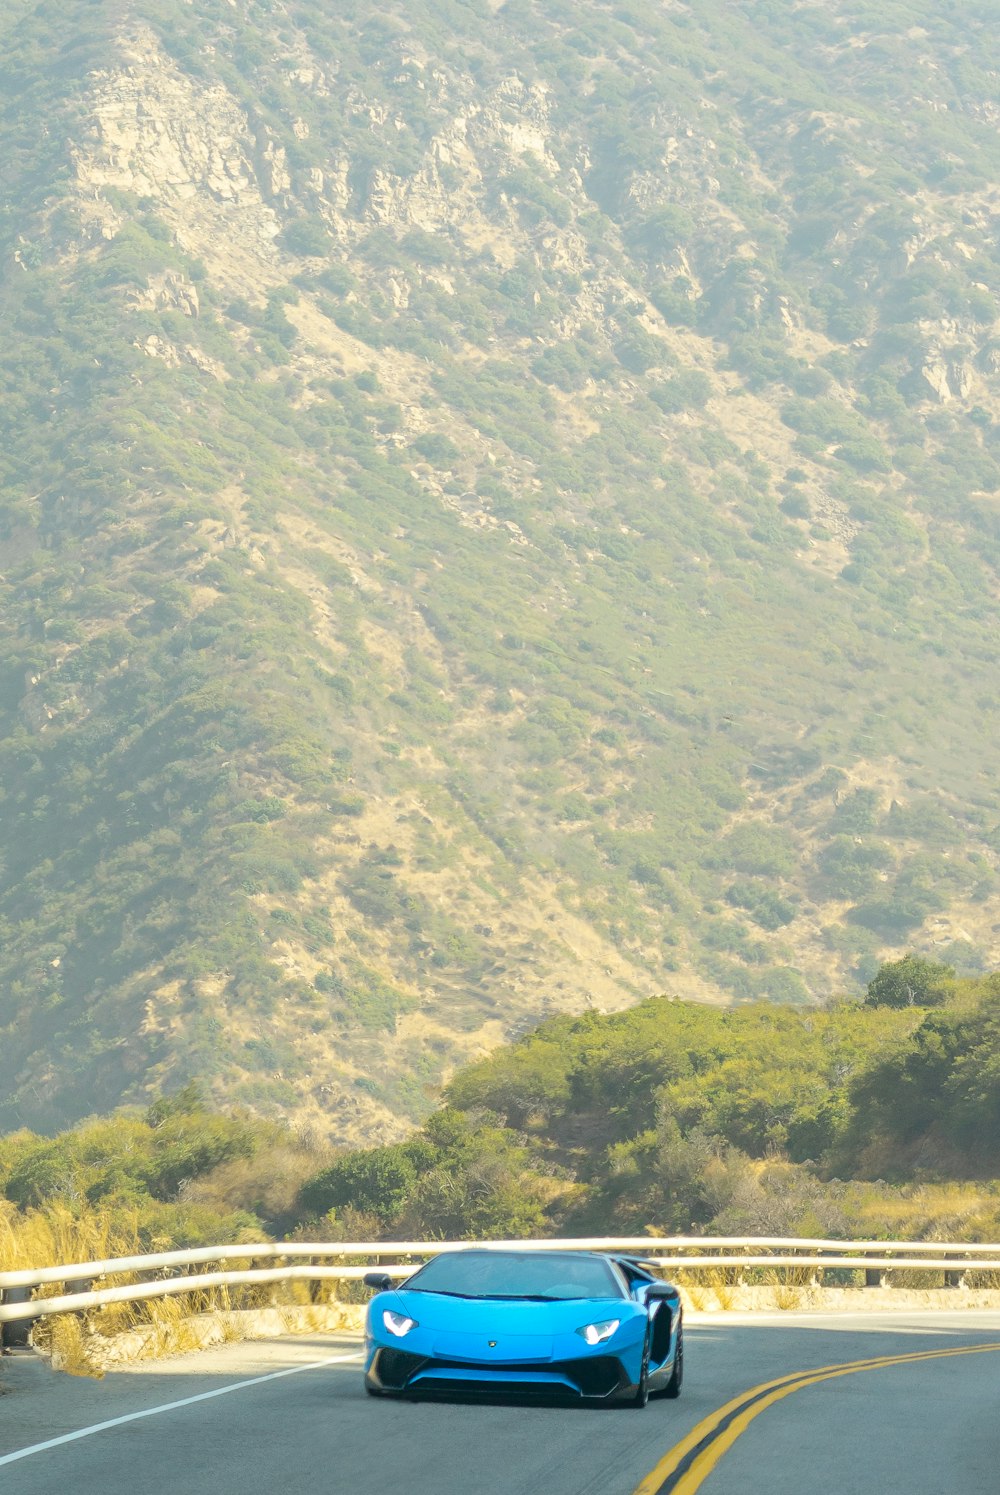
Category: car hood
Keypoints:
(439, 1312)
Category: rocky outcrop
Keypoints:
(188, 146)
(168, 292)
(947, 379)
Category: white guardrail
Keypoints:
(688, 1254)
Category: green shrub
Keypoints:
(910, 982)
(307, 236)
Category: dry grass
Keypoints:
(271, 1178)
(948, 1211)
(696, 1293)
(722, 1290)
(85, 1343)
(204, 1331)
(47, 1237)
(77, 1342)
(717, 1288)
(982, 1281)
(66, 1340)
(791, 1286)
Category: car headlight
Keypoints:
(398, 1323)
(598, 1333)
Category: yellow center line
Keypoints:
(683, 1470)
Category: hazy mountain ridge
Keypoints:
(497, 518)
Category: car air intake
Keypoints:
(395, 1367)
(596, 1376)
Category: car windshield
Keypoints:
(539, 1275)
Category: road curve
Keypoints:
(290, 1416)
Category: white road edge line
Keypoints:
(187, 1401)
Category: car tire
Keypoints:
(673, 1386)
(641, 1396)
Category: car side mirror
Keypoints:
(659, 1292)
(378, 1280)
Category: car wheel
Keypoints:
(642, 1390)
(673, 1386)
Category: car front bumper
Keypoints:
(592, 1378)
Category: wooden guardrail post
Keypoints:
(317, 1288)
(953, 1278)
(15, 1335)
(875, 1277)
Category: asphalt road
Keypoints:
(289, 1416)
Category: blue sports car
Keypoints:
(493, 1322)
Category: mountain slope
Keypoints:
(498, 516)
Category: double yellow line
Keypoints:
(690, 1462)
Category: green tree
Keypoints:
(377, 1181)
(910, 982)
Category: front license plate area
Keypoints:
(498, 1349)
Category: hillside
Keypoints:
(873, 1120)
(863, 1121)
(498, 511)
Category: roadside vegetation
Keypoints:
(138, 1182)
(877, 1119)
